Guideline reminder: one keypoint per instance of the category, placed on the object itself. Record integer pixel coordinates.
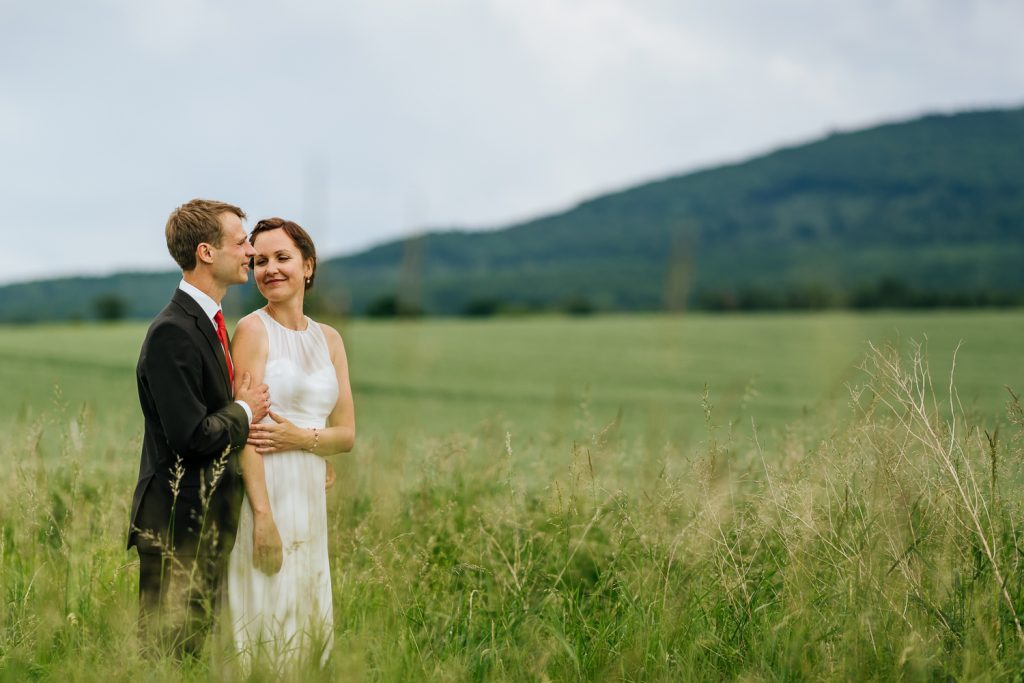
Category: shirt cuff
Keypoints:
(246, 408)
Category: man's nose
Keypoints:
(249, 250)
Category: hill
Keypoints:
(918, 212)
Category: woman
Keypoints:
(279, 584)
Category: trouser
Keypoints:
(179, 595)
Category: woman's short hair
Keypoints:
(299, 236)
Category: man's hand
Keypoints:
(267, 550)
(258, 398)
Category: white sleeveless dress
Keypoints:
(289, 615)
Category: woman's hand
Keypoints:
(330, 476)
(280, 436)
(267, 549)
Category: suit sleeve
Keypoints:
(194, 430)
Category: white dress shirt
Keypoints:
(210, 308)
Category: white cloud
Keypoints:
(174, 29)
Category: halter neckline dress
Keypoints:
(289, 615)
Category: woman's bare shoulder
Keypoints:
(332, 336)
(250, 329)
(330, 332)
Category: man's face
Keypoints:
(231, 258)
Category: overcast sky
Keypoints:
(369, 120)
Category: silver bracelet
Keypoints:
(316, 439)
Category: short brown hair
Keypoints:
(299, 236)
(193, 223)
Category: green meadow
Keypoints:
(533, 375)
(828, 496)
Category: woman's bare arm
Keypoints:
(340, 434)
(249, 353)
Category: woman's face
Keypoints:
(278, 267)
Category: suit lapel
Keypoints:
(205, 327)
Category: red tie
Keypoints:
(222, 334)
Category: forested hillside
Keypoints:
(925, 212)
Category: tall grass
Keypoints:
(883, 544)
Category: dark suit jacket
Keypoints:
(191, 420)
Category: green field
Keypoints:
(532, 375)
(616, 497)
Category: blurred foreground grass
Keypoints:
(559, 499)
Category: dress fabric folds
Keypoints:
(289, 616)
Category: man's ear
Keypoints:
(204, 253)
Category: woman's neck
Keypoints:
(288, 313)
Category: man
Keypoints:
(185, 508)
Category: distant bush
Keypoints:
(887, 292)
(383, 307)
(577, 305)
(482, 307)
(892, 292)
(811, 296)
(390, 306)
(109, 307)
